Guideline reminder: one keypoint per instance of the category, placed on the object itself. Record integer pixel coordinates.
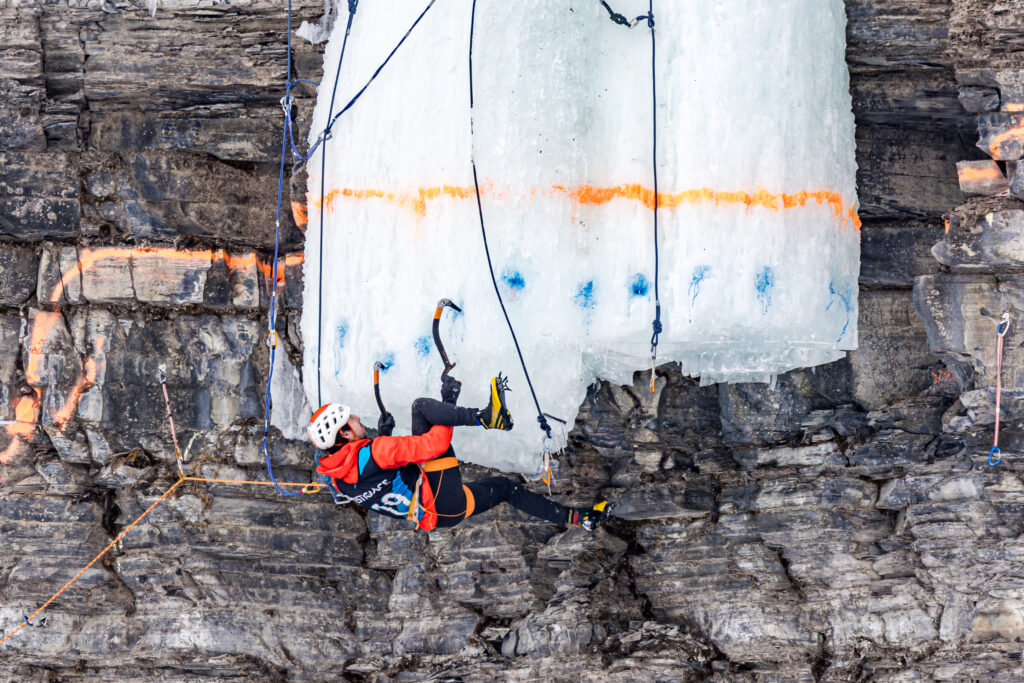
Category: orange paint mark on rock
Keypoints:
(300, 214)
(27, 408)
(592, 196)
(25, 415)
(1007, 135)
(969, 174)
(84, 382)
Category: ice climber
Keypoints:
(417, 477)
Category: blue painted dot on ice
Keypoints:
(764, 282)
(700, 273)
(845, 300)
(423, 346)
(342, 331)
(514, 279)
(387, 362)
(585, 295)
(639, 286)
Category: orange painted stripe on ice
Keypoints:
(706, 195)
(590, 195)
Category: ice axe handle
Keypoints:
(376, 387)
(448, 365)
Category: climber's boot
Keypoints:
(495, 415)
(590, 518)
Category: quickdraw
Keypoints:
(547, 477)
(994, 456)
(162, 376)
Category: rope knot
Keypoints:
(544, 425)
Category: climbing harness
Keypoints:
(994, 456)
(436, 329)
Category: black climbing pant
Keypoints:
(449, 494)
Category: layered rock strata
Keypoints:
(840, 524)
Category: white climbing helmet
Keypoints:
(325, 424)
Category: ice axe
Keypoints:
(377, 367)
(448, 365)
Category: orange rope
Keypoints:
(307, 487)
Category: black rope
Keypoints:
(620, 19)
(316, 143)
(656, 324)
(352, 5)
(623, 21)
(490, 265)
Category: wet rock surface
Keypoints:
(841, 523)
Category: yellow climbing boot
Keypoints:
(591, 518)
(495, 415)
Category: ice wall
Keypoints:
(759, 240)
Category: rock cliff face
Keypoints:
(841, 524)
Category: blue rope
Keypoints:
(490, 265)
(272, 313)
(288, 139)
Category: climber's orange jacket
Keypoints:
(382, 474)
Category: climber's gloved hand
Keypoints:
(450, 389)
(385, 424)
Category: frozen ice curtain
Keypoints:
(759, 237)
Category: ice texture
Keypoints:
(759, 239)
